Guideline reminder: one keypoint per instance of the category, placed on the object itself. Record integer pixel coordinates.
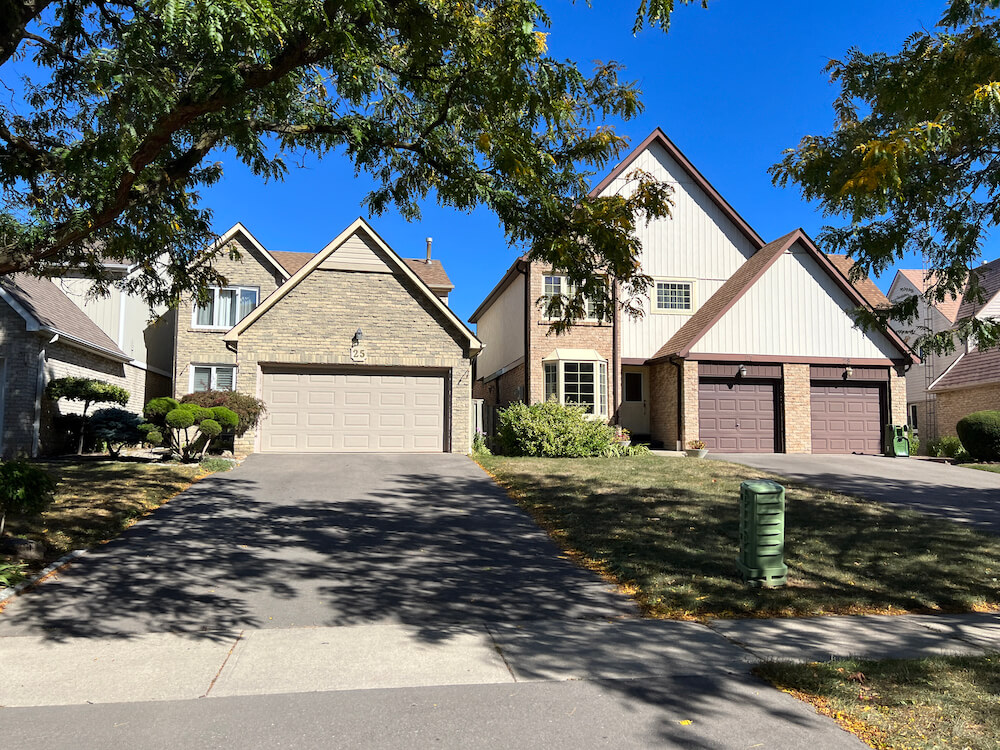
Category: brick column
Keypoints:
(798, 409)
(897, 397)
(663, 404)
(690, 418)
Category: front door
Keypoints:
(633, 414)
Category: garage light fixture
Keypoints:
(848, 372)
(743, 371)
(358, 335)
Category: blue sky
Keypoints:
(732, 86)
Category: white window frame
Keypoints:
(215, 290)
(566, 289)
(600, 383)
(213, 379)
(654, 296)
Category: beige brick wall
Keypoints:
(691, 430)
(541, 343)
(798, 408)
(314, 323)
(207, 347)
(663, 404)
(897, 397)
(953, 405)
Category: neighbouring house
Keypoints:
(57, 328)
(921, 402)
(972, 380)
(352, 348)
(746, 345)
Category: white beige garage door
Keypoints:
(320, 412)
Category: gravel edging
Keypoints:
(20, 588)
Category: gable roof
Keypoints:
(44, 307)
(872, 294)
(745, 277)
(291, 261)
(969, 370)
(392, 259)
(238, 228)
(988, 277)
(921, 281)
(659, 137)
(431, 273)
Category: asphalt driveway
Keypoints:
(953, 492)
(298, 541)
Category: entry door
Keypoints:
(633, 413)
(737, 416)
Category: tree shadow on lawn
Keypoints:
(678, 543)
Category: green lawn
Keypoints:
(97, 500)
(924, 704)
(983, 467)
(667, 530)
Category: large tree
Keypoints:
(114, 109)
(913, 162)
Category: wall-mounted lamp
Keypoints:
(358, 335)
(743, 371)
(848, 372)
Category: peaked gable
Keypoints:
(357, 248)
(238, 230)
(750, 318)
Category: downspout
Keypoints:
(36, 426)
(615, 358)
(526, 270)
(679, 364)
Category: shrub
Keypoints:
(116, 428)
(208, 424)
(217, 464)
(914, 442)
(89, 391)
(554, 431)
(980, 435)
(12, 574)
(157, 409)
(479, 446)
(25, 490)
(948, 446)
(227, 418)
(247, 408)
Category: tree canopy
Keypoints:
(913, 162)
(120, 103)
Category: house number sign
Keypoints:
(359, 353)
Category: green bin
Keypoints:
(897, 444)
(762, 533)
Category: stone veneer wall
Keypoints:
(314, 323)
(953, 405)
(541, 343)
(797, 408)
(690, 426)
(897, 397)
(206, 346)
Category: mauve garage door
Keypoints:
(322, 412)
(736, 417)
(846, 419)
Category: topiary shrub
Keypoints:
(25, 490)
(116, 428)
(980, 435)
(553, 430)
(247, 408)
(157, 409)
(89, 391)
(227, 418)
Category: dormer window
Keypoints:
(226, 307)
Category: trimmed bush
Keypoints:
(227, 418)
(179, 419)
(116, 428)
(553, 430)
(948, 446)
(157, 409)
(210, 428)
(247, 408)
(89, 391)
(980, 435)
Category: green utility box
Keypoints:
(897, 444)
(762, 533)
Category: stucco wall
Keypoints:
(314, 324)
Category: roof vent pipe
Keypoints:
(429, 241)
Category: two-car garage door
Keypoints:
(337, 412)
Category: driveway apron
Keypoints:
(321, 540)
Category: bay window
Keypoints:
(584, 383)
(226, 307)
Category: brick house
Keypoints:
(749, 346)
(970, 381)
(352, 348)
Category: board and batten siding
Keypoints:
(794, 309)
(698, 241)
(501, 327)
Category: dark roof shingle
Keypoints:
(971, 369)
(988, 277)
(872, 294)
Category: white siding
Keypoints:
(795, 309)
(698, 241)
(501, 329)
(104, 311)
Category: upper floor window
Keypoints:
(226, 306)
(554, 286)
(674, 296)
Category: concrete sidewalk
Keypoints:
(41, 671)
